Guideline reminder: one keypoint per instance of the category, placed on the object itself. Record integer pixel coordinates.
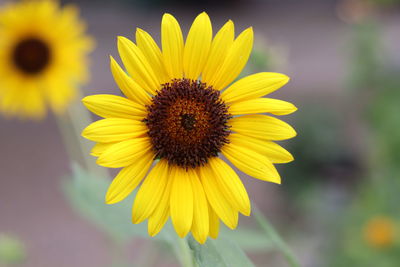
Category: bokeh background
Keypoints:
(338, 203)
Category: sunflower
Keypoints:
(181, 111)
(43, 52)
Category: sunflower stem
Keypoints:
(185, 257)
(269, 231)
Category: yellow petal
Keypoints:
(254, 86)
(214, 223)
(251, 163)
(181, 202)
(129, 88)
(262, 105)
(128, 179)
(137, 65)
(215, 197)
(235, 60)
(150, 192)
(231, 185)
(153, 54)
(200, 226)
(197, 46)
(125, 153)
(172, 46)
(220, 45)
(114, 130)
(160, 215)
(274, 152)
(112, 106)
(99, 148)
(263, 127)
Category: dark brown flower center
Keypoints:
(187, 123)
(31, 55)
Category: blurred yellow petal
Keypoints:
(274, 152)
(235, 60)
(181, 202)
(197, 46)
(220, 45)
(137, 65)
(128, 179)
(200, 226)
(231, 185)
(150, 192)
(251, 163)
(262, 105)
(109, 106)
(114, 130)
(262, 126)
(216, 199)
(172, 46)
(254, 86)
(152, 53)
(128, 86)
(124, 153)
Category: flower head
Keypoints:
(43, 51)
(379, 232)
(181, 112)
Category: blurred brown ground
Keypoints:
(33, 160)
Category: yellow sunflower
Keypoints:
(180, 114)
(43, 51)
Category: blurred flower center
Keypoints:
(187, 123)
(31, 55)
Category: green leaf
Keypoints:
(85, 193)
(218, 253)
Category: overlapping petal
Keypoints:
(200, 225)
(137, 65)
(254, 86)
(114, 130)
(197, 46)
(220, 46)
(262, 127)
(150, 192)
(274, 152)
(262, 105)
(124, 153)
(181, 201)
(172, 46)
(235, 60)
(231, 185)
(128, 86)
(251, 163)
(112, 106)
(128, 179)
(153, 54)
(215, 197)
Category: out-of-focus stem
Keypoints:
(274, 236)
(71, 125)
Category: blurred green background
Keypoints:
(338, 203)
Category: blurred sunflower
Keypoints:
(43, 52)
(175, 115)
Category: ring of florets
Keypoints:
(187, 122)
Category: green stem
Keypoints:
(71, 125)
(185, 255)
(275, 238)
